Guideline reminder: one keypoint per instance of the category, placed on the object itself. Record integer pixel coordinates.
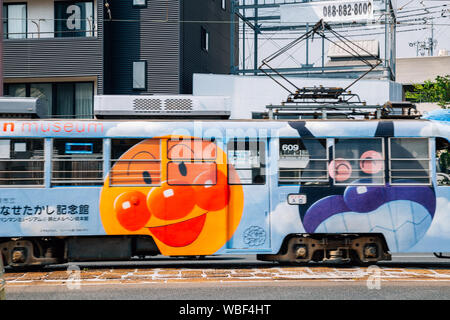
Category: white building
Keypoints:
(251, 94)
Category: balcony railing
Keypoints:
(45, 28)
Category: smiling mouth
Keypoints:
(180, 234)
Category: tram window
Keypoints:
(77, 162)
(442, 162)
(135, 162)
(191, 149)
(192, 173)
(303, 161)
(358, 161)
(196, 170)
(21, 162)
(246, 161)
(120, 146)
(409, 161)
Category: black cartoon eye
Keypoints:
(147, 177)
(182, 168)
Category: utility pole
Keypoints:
(255, 62)
(431, 40)
(426, 45)
(1, 49)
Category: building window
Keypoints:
(135, 162)
(73, 100)
(139, 3)
(224, 4)
(43, 91)
(61, 100)
(139, 75)
(303, 161)
(74, 19)
(22, 162)
(77, 162)
(246, 161)
(409, 161)
(358, 161)
(205, 39)
(15, 20)
(84, 101)
(16, 90)
(442, 162)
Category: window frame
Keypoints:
(86, 32)
(191, 184)
(139, 6)
(113, 161)
(73, 182)
(263, 165)
(428, 160)
(145, 87)
(438, 159)
(205, 39)
(41, 160)
(352, 183)
(193, 159)
(192, 140)
(5, 14)
(300, 182)
(54, 96)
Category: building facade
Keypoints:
(65, 52)
(418, 70)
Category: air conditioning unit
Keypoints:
(162, 106)
(17, 107)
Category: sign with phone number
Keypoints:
(347, 9)
(329, 11)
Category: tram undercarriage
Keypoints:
(340, 248)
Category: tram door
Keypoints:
(247, 167)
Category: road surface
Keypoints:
(407, 276)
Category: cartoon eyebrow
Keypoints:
(145, 174)
(180, 144)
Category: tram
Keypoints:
(287, 191)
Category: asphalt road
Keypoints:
(249, 291)
(422, 277)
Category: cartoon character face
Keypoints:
(353, 203)
(176, 191)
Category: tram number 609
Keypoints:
(290, 147)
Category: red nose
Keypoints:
(171, 202)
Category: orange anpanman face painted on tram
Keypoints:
(174, 189)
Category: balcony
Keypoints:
(44, 46)
(39, 19)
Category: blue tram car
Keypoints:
(287, 191)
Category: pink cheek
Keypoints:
(213, 197)
(131, 210)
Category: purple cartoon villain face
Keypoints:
(403, 212)
(363, 200)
